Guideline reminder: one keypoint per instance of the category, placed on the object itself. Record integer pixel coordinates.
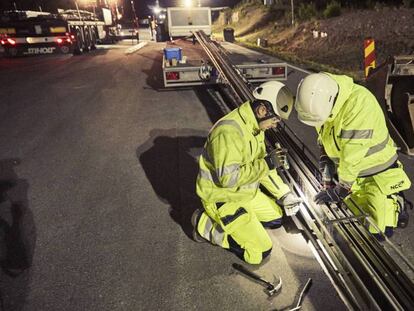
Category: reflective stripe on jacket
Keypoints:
(355, 136)
(232, 164)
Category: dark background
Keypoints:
(142, 6)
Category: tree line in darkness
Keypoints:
(52, 5)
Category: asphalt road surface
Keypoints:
(97, 173)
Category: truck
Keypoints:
(392, 83)
(183, 21)
(68, 31)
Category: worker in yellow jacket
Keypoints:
(356, 147)
(234, 166)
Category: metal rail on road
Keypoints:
(363, 273)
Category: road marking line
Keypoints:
(110, 46)
(136, 47)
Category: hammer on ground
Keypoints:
(270, 288)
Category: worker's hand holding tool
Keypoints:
(277, 158)
(332, 195)
(291, 204)
(327, 170)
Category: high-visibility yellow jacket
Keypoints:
(232, 164)
(355, 136)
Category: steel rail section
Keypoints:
(364, 274)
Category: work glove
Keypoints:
(277, 158)
(291, 203)
(327, 170)
(332, 195)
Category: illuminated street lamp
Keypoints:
(188, 3)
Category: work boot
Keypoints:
(194, 221)
(388, 232)
(403, 215)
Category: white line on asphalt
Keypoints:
(110, 46)
(136, 47)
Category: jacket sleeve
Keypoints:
(275, 185)
(356, 135)
(225, 153)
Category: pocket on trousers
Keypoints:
(231, 219)
(392, 181)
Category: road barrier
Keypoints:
(369, 55)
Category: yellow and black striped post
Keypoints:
(369, 55)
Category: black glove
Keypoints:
(336, 194)
(277, 158)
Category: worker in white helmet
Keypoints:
(234, 166)
(356, 147)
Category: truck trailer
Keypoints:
(69, 31)
(185, 64)
(392, 83)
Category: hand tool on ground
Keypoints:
(302, 294)
(271, 288)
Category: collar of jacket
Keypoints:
(345, 84)
(246, 114)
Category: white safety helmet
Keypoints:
(278, 95)
(315, 98)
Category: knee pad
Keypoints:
(266, 253)
(273, 224)
(235, 248)
(240, 252)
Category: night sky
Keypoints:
(141, 6)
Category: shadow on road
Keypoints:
(17, 237)
(211, 104)
(154, 73)
(169, 159)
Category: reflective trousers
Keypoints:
(240, 226)
(367, 195)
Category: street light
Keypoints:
(293, 13)
(188, 3)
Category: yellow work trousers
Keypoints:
(241, 224)
(383, 209)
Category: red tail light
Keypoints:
(59, 40)
(172, 75)
(278, 70)
(68, 40)
(3, 42)
(11, 41)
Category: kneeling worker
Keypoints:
(355, 145)
(233, 168)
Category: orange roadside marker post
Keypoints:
(369, 55)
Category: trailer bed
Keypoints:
(194, 68)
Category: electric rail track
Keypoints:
(364, 274)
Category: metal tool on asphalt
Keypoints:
(302, 294)
(270, 288)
